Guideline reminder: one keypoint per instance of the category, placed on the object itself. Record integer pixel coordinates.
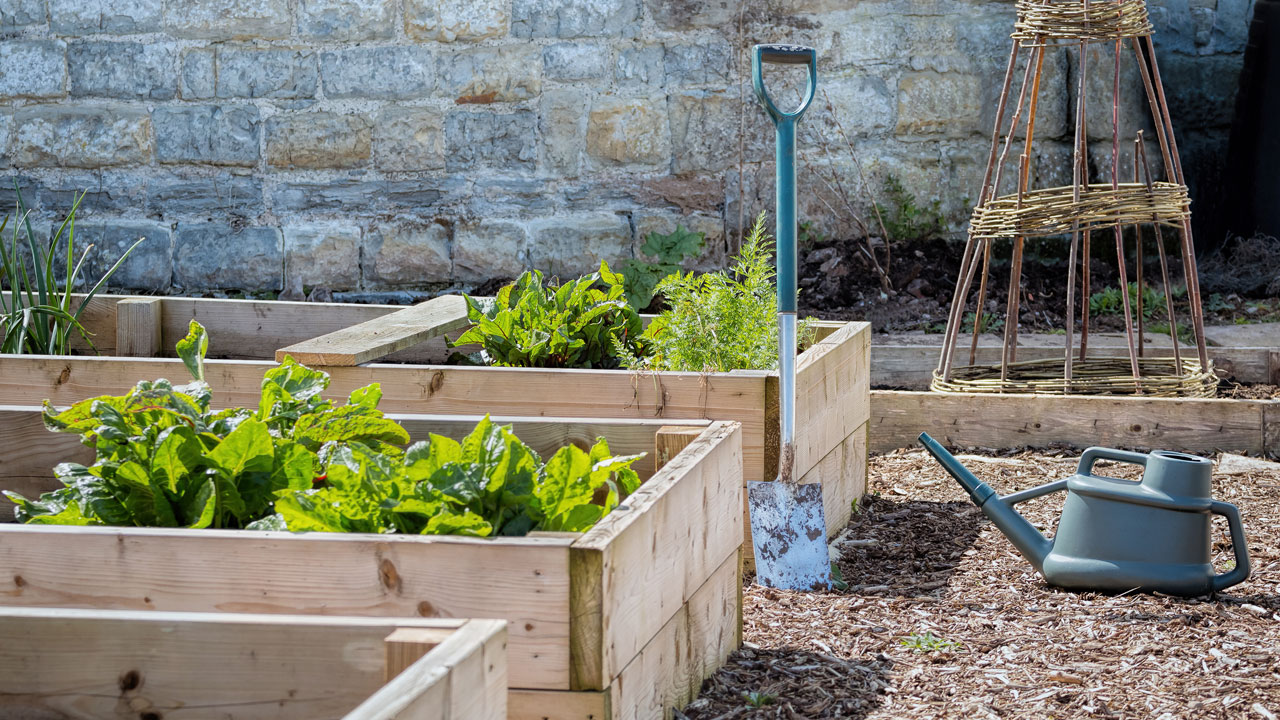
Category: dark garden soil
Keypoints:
(944, 619)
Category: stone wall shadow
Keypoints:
(907, 548)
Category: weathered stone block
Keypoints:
(704, 131)
(505, 140)
(318, 140)
(245, 72)
(87, 137)
(571, 245)
(497, 196)
(218, 256)
(450, 21)
(223, 194)
(406, 254)
(102, 190)
(123, 70)
(408, 139)
(863, 103)
(393, 73)
(639, 65)
(1201, 92)
(346, 20)
(422, 195)
(15, 14)
(198, 75)
(148, 267)
(228, 19)
(347, 195)
(120, 17)
(575, 61)
(327, 255)
(699, 64)
(936, 103)
(1055, 109)
(213, 134)
(1231, 26)
(564, 130)
(6, 130)
(488, 249)
(683, 14)
(486, 75)
(32, 68)
(623, 130)
(873, 40)
(574, 18)
(1099, 92)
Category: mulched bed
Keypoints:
(991, 639)
(1249, 392)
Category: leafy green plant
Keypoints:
(928, 642)
(1185, 332)
(904, 220)
(990, 322)
(580, 324)
(38, 317)
(1108, 301)
(757, 699)
(164, 458)
(719, 321)
(489, 484)
(641, 277)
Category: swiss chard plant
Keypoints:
(489, 484)
(165, 458)
(580, 324)
(642, 276)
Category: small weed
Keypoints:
(1185, 333)
(837, 579)
(904, 220)
(809, 235)
(757, 699)
(641, 277)
(990, 323)
(929, 642)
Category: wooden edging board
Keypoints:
(832, 383)
(1006, 421)
(622, 621)
(75, 663)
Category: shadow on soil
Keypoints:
(907, 548)
(789, 683)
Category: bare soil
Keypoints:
(944, 619)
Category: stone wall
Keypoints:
(373, 144)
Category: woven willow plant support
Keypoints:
(1078, 210)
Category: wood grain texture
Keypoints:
(521, 580)
(94, 663)
(138, 327)
(670, 440)
(654, 554)
(558, 705)
(377, 338)
(1006, 421)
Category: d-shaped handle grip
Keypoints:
(775, 54)
(1094, 454)
(1240, 572)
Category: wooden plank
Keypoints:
(670, 440)
(1005, 421)
(650, 555)
(558, 705)
(696, 641)
(1271, 430)
(910, 367)
(406, 646)
(463, 676)
(92, 664)
(377, 338)
(1273, 363)
(246, 571)
(138, 327)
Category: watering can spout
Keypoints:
(1024, 536)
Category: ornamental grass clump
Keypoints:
(720, 321)
(37, 311)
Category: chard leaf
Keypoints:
(464, 523)
(248, 448)
(270, 522)
(193, 348)
(347, 423)
(199, 507)
(177, 454)
(422, 459)
(366, 397)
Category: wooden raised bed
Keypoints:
(92, 664)
(622, 621)
(832, 406)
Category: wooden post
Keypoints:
(138, 327)
(670, 440)
(406, 646)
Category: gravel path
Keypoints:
(944, 619)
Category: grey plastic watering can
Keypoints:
(1115, 535)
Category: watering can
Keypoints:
(1151, 535)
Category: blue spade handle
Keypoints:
(785, 124)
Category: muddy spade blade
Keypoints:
(789, 535)
(789, 532)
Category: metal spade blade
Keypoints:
(789, 535)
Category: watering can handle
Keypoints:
(785, 55)
(1240, 572)
(1094, 454)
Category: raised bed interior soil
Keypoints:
(924, 563)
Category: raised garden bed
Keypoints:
(832, 407)
(104, 663)
(619, 622)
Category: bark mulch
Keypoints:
(943, 619)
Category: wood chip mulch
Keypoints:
(943, 619)
(1250, 392)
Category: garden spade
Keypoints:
(788, 530)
